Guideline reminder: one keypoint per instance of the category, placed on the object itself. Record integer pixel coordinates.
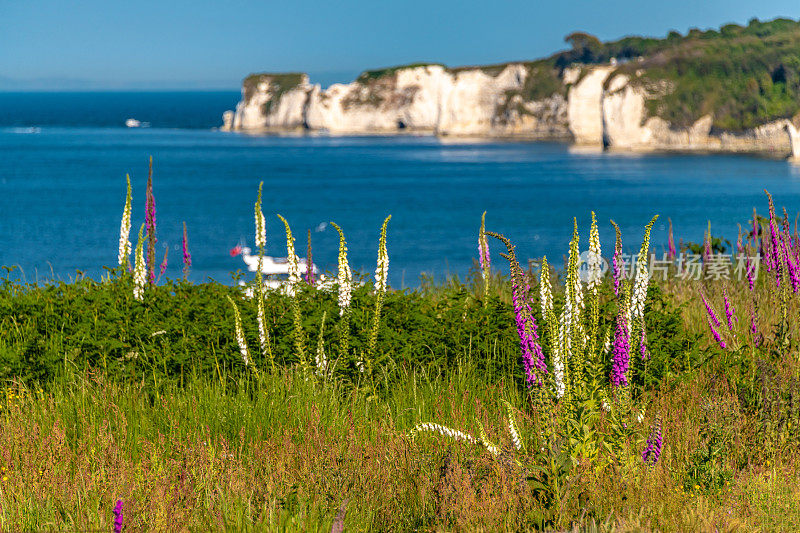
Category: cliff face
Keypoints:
(592, 105)
(420, 99)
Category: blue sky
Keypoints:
(203, 44)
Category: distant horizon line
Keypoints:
(122, 90)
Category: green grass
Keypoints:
(106, 398)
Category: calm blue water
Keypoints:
(62, 189)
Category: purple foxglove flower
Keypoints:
(786, 230)
(716, 334)
(777, 256)
(532, 355)
(729, 309)
(187, 257)
(118, 517)
(766, 254)
(791, 266)
(150, 224)
(164, 262)
(755, 228)
(483, 252)
(710, 310)
(739, 245)
(621, 352)
(757, 338)
(617, 265)
(652, 449)
(750, 268)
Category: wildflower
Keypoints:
(118, 517)
(382, 270)
(545, 290)
(559, 355)
(791, 266)
(621, 351)
(125, 229)
(298, 333)
(750, 270)
(263, 332)
(294, 268)
(739, 245)
(671, 253)
(707, 251)
(309, 263)
(240, 339)
(483, 249)
(187, 257)
(150, 221)
(755, 227)
(532, 355)
(617, 260)
(595, 260)
(512, 427)
(381, 276)
(652, 449)
(716, 334)
(729, 309)
(776, 260)
(260, 223)
(444, 430)
(754, 325)
(484, 440)
(163, 267)
(574, 288)
(712, 316)
(139, 272)
(345, 276)
(642, 277)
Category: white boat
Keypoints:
(275, 269)
(133, 123)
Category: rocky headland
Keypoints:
(635, 94)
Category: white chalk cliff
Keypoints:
(591, 105)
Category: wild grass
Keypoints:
(440, 409)
(278, 452)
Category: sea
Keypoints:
(64, 158)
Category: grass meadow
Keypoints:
(515, 399)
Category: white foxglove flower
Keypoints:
(561, 350)
(512, 427)
(262, 327)
(444, 430)
(294, 268)
(261, 228)
(545, 290)
(240, 339)
(345, 276)
(595, 260)
(642, 278)
(139, 269)
(382, 271)
(125, 229)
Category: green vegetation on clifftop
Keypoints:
(743, 76)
